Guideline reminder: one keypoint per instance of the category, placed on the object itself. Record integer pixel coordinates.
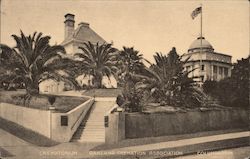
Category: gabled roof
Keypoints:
(83, 33)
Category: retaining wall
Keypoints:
(57, 126)
(34, 119)
(135, 125)
(74, 117)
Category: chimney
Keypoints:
(69, 25)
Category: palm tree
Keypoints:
(167, 81)
(34, 60)
(97, 61)
(131, 60)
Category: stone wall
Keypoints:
(45, 122)
(152, 125)
(134, 125)
(34, 119)
(64, 133)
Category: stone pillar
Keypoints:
(115, 128)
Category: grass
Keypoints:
(63, 103)
(109, 92)
(26, 134)
(150, 140)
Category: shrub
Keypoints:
(209, 87)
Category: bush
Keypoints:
(232, 91)
(209, 87)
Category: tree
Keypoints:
(168, 83)
(98, 61)
(232, 91)
(34, 60)
(131, 60)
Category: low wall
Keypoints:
(57, 126)
(64, 133)
(34, 119)
(152, 125)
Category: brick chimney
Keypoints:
(69, 25)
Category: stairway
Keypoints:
(92, 129)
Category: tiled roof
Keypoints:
(84, 33)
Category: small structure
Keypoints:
(210, 64)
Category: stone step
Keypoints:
(92, 126)
(93, 133)
(92, 129)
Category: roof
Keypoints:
(84, 33)
(199, 43)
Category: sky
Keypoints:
(148, 26)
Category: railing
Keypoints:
(79, 117)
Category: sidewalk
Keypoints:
(23, 150)
(184, 142)
(177, 147)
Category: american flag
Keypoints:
(196, 12)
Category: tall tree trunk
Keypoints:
(97, 81)
(32, 88)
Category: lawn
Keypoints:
(109, 92)
(62, 104)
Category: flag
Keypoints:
(196, 12)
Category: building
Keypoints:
(73, 39)
(208, 64)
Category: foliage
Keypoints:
(130, 60)
(129, 64)
(34, 60)
(132, 96)
(209, 87)
(232, 91)
(97, 61)
(165, 81)
(168, 82)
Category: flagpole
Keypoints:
(0, 25)
(0, 20)
(201, 47)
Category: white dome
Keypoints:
(200, 43)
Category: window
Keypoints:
(202, 67)
(215, 69)
(220, 70)
(226, 72)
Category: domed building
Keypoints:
(208, 64)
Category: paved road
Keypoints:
(235, 153)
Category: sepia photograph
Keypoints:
(124, 79)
